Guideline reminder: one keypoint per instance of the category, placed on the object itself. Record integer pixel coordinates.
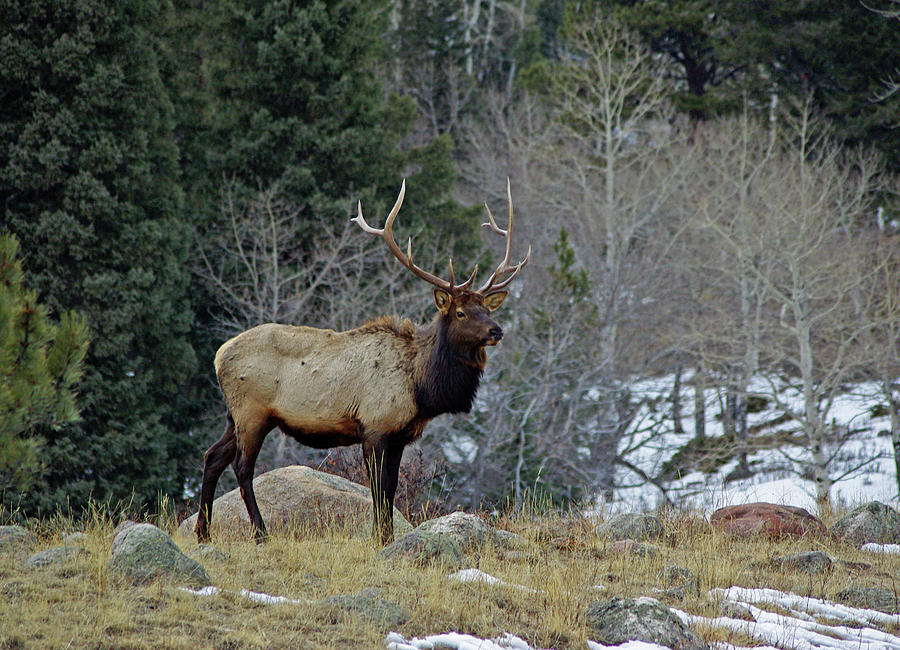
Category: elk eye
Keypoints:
(460, 314)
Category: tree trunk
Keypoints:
(894, 407)
(699, 404)
(676, 401)
(813, 425)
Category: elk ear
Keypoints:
(442, 299)
(493, 300)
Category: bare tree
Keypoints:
(599, 159)
(793, 242)
(884, 335)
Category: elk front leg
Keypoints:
(382, 458)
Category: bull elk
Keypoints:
(378, 384)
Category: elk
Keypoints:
(377, 385)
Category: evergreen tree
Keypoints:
(285, 99)
(838, 53)
(287, 96)
(689, 33)
(88, 171)
(40, 365)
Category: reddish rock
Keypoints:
(631, 547)
(768, 519)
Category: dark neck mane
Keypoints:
(450, 375)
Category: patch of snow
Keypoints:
(799, 630)
(455, 641)
(255, 596)
(863, 466)
(628, 645)
(476, 575)
(891, 549)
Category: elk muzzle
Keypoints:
(494, 336)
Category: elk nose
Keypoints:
(496, 333)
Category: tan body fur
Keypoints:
(318, 383)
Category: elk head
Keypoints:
(464, 313)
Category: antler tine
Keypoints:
(504, 266)
(467, 283)
(387, 235)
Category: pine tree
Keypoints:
(88, 170)
(837, 53)
(287, 96)
(689, 33)
(40, 365)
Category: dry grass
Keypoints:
(80, 605)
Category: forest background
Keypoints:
(709, 189)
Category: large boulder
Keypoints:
(616, 621)
(297, 496)
(768, 519)
(872, 522)
(636, 526)
(142, 553)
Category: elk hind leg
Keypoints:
(216, 459)
(249, 443)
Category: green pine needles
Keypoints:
(40, 366)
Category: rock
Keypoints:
(631, 547)
(445, 539)
(679, 581)
(616, 621)
(506, 539)
(15, 540)
(813, 562)
(74, 539)
(873, 522)
(118, 533)
(636, 526)
(870, 598)
(56, 555)
(207, 552)
(367, 605)
(423, 547)
(740, 611)
(769, 519)
(142, 553)
(469, 530)
(297, 495)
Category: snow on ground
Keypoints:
(798, 622)
(776, 478)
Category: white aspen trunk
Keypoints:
(813, 425)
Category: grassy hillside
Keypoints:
(561, 563)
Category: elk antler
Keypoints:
(406, 259)
(492, 285)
